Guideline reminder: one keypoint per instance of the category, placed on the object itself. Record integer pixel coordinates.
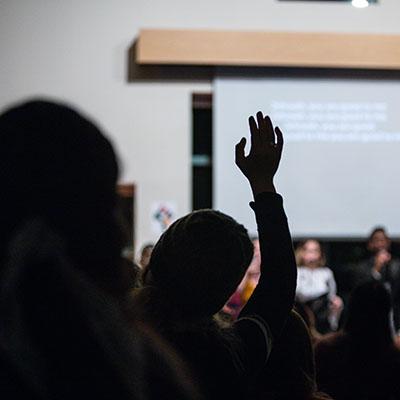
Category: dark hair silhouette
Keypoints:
(376, 230)
(62, 334)
(291, 367)
(197, 264)
(361, 361)
(368, 317)
(60, 337)
(194, 268)
(56, 164)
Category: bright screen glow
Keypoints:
(341, 161)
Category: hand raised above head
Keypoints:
(261, 164)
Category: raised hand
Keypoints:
(261, 164)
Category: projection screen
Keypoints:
(340, 168)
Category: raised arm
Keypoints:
(260, 166)
(274, 295)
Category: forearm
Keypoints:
(262, 185)
(274, 296)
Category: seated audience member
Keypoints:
(316, 286)
(246, 286)
(290, 372)
(200, 260)
(145, 254)
(62, 282)
(131, 272)
(361, 361)
(380, 266)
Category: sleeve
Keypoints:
(331, 284)
(272, 300)
(300, 287)
(256, 340)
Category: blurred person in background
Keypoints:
(290, 372)
(145, 254)
(316, 286)
(247, 285)
(381, 266)
(361, 360)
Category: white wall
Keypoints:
(76, 50)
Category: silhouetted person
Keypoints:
(316, 286)
(62, 283)
(145, 254)
(57, 165)
(361, 361)
(198, 263)
(246, 286)
(290, 372)
(381, 266)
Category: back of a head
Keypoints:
(199, 261)
(57, 165)
(368, 314)
(291, 368)
(62, 338)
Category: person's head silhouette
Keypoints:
(368, 316)
(198, 263)
(55, 164)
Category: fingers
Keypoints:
(254, 133)
(263, 133)
(260, 121)
(239, 152)
(279, 137)
(268, 130)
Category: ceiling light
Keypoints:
(360, 3)
(355, 3)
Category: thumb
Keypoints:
(239, 152)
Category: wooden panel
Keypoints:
(189, 47)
